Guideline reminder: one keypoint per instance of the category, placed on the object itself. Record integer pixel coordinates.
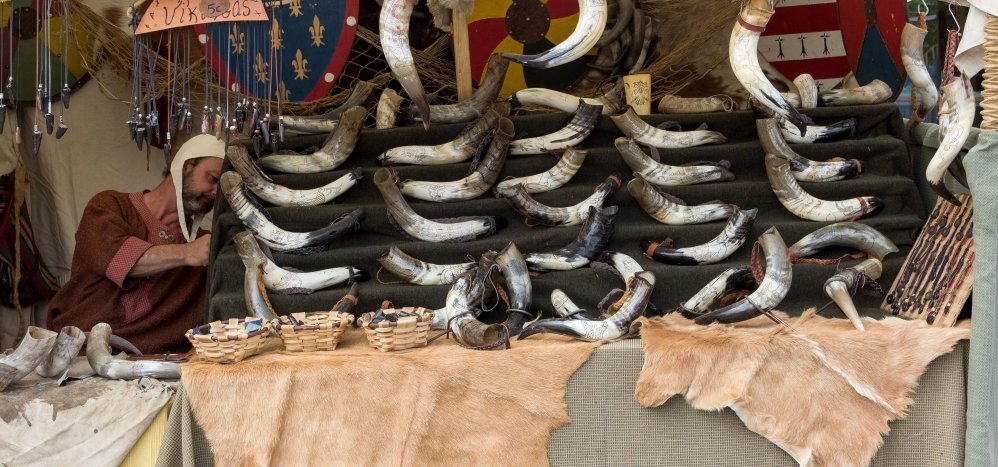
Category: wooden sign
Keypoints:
(169, 14)
(938, 275)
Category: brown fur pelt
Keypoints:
(437, 405)
(691, 56)
(692, 39)
(823, 394)
(443, 9)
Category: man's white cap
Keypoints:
(198, 146)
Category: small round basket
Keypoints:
(396, 328)
(229, 341)
(314, 331)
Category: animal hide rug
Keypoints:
(823, 394)
(437, 405)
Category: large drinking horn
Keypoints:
(841, 286)
(101, 360)
(32, 351)
(67, 346)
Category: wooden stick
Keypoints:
(462, 56)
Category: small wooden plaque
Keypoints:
(938, 275)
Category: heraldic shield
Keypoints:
(311, 43)
(829, 39)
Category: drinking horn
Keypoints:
(804, 205)
(771, 291)
(592, 21)
(264, 187)
(335, 150)
(101, 360)
(67, 346)
(846, 282)
(628, 308)
(743, 52)
(32, 351)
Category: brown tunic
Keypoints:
(152, 312)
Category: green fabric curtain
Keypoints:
(982, 387)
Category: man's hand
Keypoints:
(197, 251)
(161, 258)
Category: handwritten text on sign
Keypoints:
(168, 14)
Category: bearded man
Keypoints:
(140, 259)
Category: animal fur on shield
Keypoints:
(438, 405)
(823, 394)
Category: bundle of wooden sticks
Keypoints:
(938, 275)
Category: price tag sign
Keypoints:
(215, 8)
(169, 14)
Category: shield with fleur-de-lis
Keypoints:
(830, 38)
(297, 55)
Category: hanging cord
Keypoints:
(916, 116)
(952, 40)
(272, 53)
(10, 84)
(188, 115)
(206, 110)
(279, 53)
(38, 64)
(949, 67)
(228, 81)
(47, 89)
(171, 90)
(67, 16)
(3, 105)
(151, 57)
(137, 78)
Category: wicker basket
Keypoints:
(228, 341)
(397, 334)
(319, 330)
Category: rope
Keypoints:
(757, 264)
(377, 277)
(989, 104)
(727, 103)
(794, 259)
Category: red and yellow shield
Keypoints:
(523, 27)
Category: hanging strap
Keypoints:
(949, 66)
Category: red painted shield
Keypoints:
(296, 56)
(830, 38)
(523, 27)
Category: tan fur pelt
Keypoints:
(824, 395)
(438, 405)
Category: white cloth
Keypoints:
(198, 146)
(970, 54)
(93, 422)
